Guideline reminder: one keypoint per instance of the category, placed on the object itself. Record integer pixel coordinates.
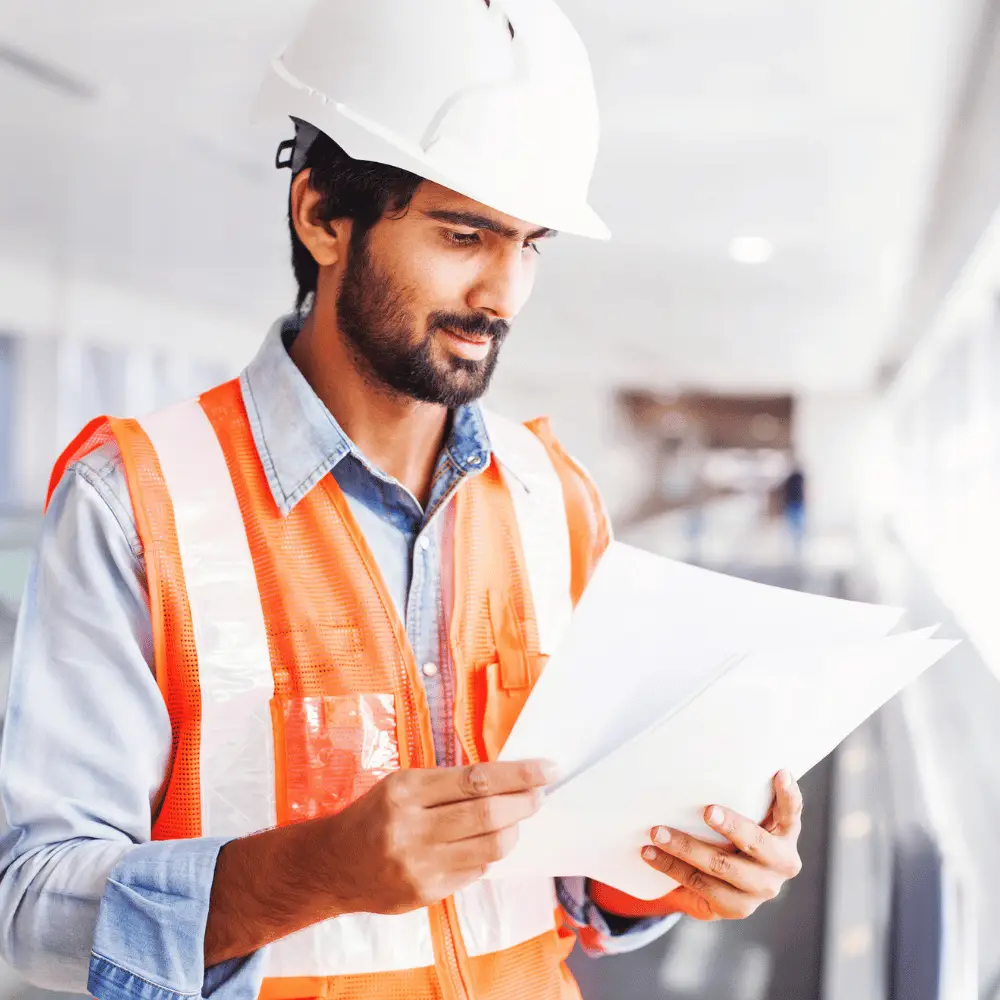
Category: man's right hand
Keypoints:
(422, 834)
(418, 836)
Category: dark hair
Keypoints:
(352, 189)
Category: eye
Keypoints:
(461, 239)
(532, 245)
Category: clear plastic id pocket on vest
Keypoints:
(330, 750)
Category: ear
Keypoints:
(326, 241)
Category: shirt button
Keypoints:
(429, 669)
(424, 543)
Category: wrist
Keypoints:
(319, 856)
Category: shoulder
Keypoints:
(532, 450)
(98, 479)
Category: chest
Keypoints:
(346, 680)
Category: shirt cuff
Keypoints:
(150, 938)
(605, 934)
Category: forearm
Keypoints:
(267, 886)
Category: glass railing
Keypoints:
(937, 747)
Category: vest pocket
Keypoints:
(504, 701)
(507, 677)
(512, 649)
(329, 750)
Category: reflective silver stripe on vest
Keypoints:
(541, 520)
(234, 665)
(500, 914)
(354, 944)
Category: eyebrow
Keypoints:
(475, 221)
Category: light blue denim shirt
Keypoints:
(87, 901)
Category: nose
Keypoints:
(504, 284)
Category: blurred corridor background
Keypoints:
(785, 365)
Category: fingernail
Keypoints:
(716, 816)
(649, 853)
(550, 772)
(661, 835)
(785, 779)
(539, 796)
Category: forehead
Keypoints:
(431, 197)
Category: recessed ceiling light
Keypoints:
(750, 249)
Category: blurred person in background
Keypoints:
(793, 505)
(274, 639)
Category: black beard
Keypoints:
(373, 315)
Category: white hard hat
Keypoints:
(491, 98)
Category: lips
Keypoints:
(472, 347)
(471, 338)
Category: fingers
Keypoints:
(787, 812)
(730, 868)
(461, 820)
(777, 852)
(719, 898)
(439, 786)
(753, 840)
(478, 853)
(720, 882)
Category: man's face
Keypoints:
(427, 298)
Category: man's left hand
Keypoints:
(730, 882)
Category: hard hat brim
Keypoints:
(363, 140)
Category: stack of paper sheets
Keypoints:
(676, 688)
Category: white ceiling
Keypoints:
(814, 123)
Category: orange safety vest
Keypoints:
(292, 687)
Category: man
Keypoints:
(273, 638)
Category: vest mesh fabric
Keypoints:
(177, 812)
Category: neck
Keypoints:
(397, 434)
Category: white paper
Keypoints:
(771, 709)
(647, 634)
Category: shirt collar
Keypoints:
(298, 438)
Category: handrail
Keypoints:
(935, 925)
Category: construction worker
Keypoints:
(274, 638)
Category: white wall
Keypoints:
(36, 301)
(833, 437)
(35, 431)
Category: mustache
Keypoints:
(474, 324)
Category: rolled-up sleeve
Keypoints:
(150, 931)
(87, 902)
